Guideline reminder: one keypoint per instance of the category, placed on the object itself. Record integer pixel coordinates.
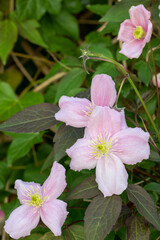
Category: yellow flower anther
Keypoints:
(139, 33)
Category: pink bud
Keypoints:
(158, 80)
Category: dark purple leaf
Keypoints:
(137, 228)
(65, 137)
(32, 119)
(100, 216)
(144, 204)
(87, 189)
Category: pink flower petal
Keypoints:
(21, 221)
(72, 111)
(55, 183)
(123, 120)
(111, 176)
(133, 48)
(126, 31)
(140, 16)
(103, 92)
(80, 155)
(103, 120)
(25, 188)
(132, 145)
(53, 214)
(149, 33)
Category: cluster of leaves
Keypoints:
(40, 42)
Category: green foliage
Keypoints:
(21, 145)
(40, 43)
(8, 33)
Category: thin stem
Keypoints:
(90, 55)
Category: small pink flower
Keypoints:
(39, 202)
(135, 32)
(158, 80)
(76, 111)
(107, 144)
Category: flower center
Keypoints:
(89, 109)
(36, 199)
(101, 146)
(139, 33)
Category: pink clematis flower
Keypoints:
(158, 80)
(135, 32)
(39, 202)
(76, 111)
(107, 145)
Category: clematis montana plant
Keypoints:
(39, 202)
(108, 144)
(135, 32)
(158, 80)
(76, 111)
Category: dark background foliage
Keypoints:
(40, 46)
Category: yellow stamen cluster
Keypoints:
(139, 33)
(36, 199)
(89, 109)
(101, 146)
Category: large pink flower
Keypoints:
(76, 111)
(135, 32)
(39, 202)
(107, 144)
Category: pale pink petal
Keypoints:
(111, 175)
(103, 120)
(55, 183)
(132, 145)
(24, 189)
(80, 154)
(158, 80)
(103, 92)
(148, 33)
(21, 221)
(123, 120)
(133, 48)
(126, 31)
(72, 111)
(139, 16)
(53, 214)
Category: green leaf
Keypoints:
(120, 11)
(73, 6)
(21, 145)
(73, 79)
(53, 7)
(99, 9)
(27, 9)
(106, 68)
(64, 138)
(144, 73)
(50, 236)
(32, 119)
(100, 216)
(144, 204)
(33, 174)
(137, 228)
(28, 30)
(8, 33)
(154, 156)
(153, 186)
(74, 232)
(87, 189)
(8, 101)
(31, 98)
(70, 28)
(4, 173)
